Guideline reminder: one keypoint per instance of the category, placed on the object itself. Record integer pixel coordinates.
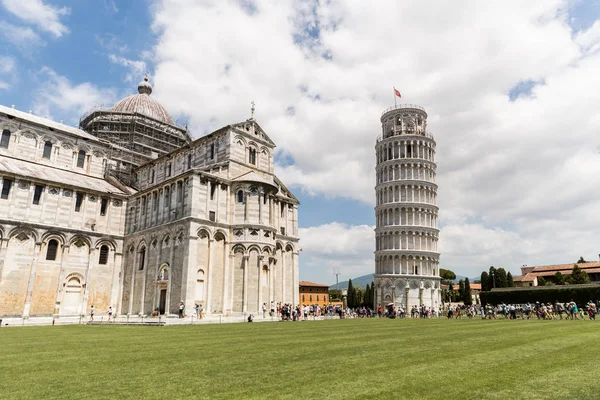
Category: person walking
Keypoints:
(110, 313)
(92, 312)
(181, 307)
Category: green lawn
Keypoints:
(347, 359)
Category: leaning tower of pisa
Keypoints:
(406, 250)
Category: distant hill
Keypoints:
(458, 278)
(361, 281)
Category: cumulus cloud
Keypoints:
(23, 38)
(335, 247)
(45, 16)
(509, 170)
(8, 67)
(136, 68)
(59, 97)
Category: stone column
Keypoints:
(210, 281)
(86, 291)
(246, 198)
(115, 298)
(3, 250)
(260, 218)
(170, 281)
(30, 285)
(245, 287)
(260, 261)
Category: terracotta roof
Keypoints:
(476, 286)
(524, 278)
(308, 283)
(564, 267)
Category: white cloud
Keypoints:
(110, 6)
(59, 97)
(22, 37)
(336, 247)
(8, 66)
(136, 68)
(322, 72)
(45, 16)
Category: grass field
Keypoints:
(339, 359)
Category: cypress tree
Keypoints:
(485, 282)
(349, 299)
(467, 293)
(493, 278)
(509, 279)
(501, 280)
(461, 290)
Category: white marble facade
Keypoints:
(206, 223)
(406, 253)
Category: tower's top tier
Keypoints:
(404, 119)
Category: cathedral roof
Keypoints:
(142, 103)
(58, 176)
(252, 177)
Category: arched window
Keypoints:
(240, 196)
(5, 138)
(80, 159)
(163, 275)
(52, 250)
(103, 259)
(416, 270)
(200, 285)
(47, 149)
(141, 258)
(252, 156)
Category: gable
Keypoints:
(252, 129)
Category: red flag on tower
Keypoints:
(397, 93)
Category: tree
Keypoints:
(579, 276)
(502, 279)
(541, 281)
(560, 279)
(485, 282)
(581, 260)
(509, 280)
(493, 278)
(467, 299)
(447, 275)
(366, 299)
(349, 300)
(461, 290)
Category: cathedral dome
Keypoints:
(142, 103)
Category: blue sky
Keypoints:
(478, 72)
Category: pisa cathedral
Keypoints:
(406, 233)
(128, 212)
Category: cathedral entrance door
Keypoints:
(163, 301)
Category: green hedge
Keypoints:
(547, 294)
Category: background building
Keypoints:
(130, 213)
(406, 253)
(313, 293)
(529, 275)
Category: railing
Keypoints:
(426, 134)
(404, 106)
